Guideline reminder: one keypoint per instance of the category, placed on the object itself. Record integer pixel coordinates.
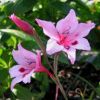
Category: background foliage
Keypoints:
(52, 10)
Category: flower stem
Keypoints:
(55, 72)
(41, 45)
(57, 90)
(43, 48)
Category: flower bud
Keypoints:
(23, 25)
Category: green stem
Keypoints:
(55, 72)
(56, 63)
(91, 96)
(82, 96)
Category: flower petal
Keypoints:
(15, 71)
(71, 52)
(23, 56)
(53, 47)
(48, 28)
(27, 78)
(83, 29)
(82, 43)
(39, 67)
(67, 24)
(15, 81)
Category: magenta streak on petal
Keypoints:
(22, 69)
(61, 42)
(67, 47)
(75, 42)
(28, 70)
(64, 40)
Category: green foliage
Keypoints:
(52, 10)
(18, 7)
(23, 93)
(17, 33)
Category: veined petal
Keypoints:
(67, 24)
(15, 71)
(15, 81)
(83, 29)
(82, 43)
(71, 52)
(53, 47)
(48, 28)
(27, 52)
(23, 56)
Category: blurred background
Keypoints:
(53, 10)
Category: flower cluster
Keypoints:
(68, 35)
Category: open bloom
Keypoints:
(23, 25)
(28, 64)
(67, 36)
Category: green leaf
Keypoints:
(22, 6)
(63, 59)
(18, 7)
(23, 93)
(17, 33)
(96, 62)
(98, 90)
(44, 81)
(3, 64)
(4, 80)
(1, 51)
(7, 7)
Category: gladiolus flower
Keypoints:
(28, 64)
(67, 36)
(23, 25)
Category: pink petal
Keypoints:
(67, 24)
(15, 81)
(39, 67)
(23, 25)
(71, 52)
(48, 28)
(53, 47)
(15, 71)
(27, 78)
(82, 43)
(23, 56)
(83, 29)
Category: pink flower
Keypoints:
(28, 63)
(67, 36)
(23, 25)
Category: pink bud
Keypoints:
(23, 25)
